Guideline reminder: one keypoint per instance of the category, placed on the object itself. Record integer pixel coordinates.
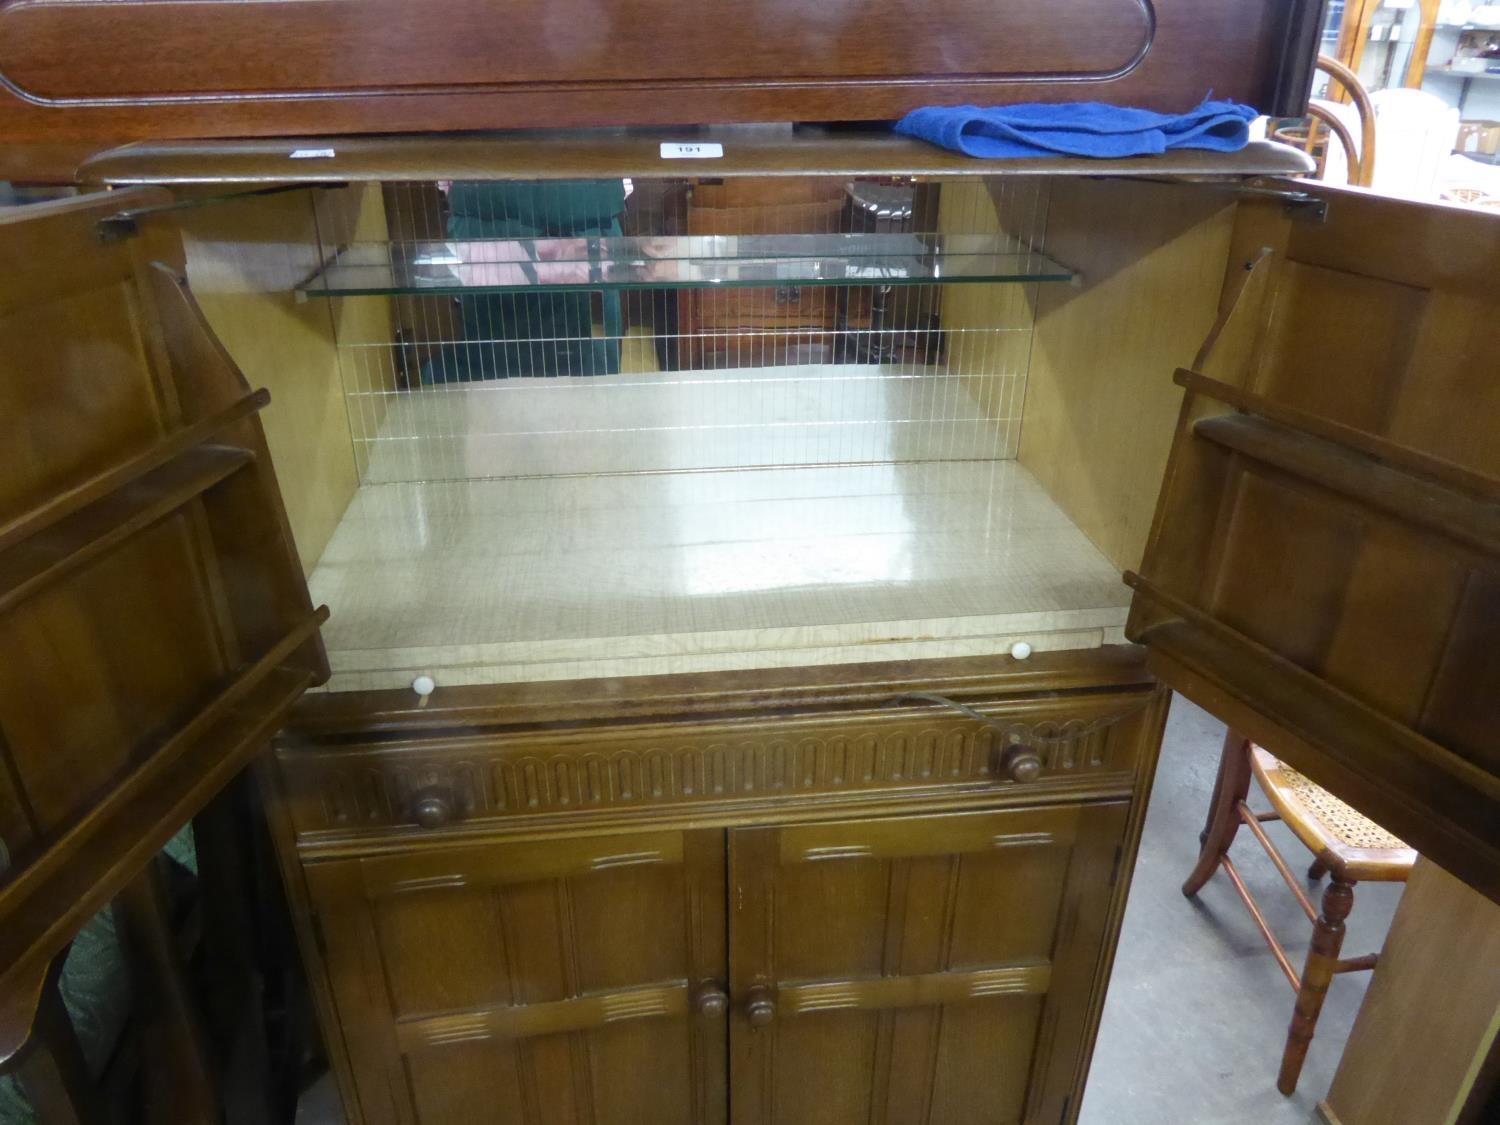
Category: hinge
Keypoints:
(1305, 208)
(117, 228)
(1301, 206)
(1298, 205)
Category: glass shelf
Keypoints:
(677, 262)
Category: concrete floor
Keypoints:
(1197, 1010)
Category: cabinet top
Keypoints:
(148, 69)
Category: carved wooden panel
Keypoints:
(949, 982)
(70, 50)
(154, 624)
(133, 68)
(565, 980)
(1322, 571)
(1089, 738)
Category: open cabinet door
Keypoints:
(1323, 570)
(154, 624)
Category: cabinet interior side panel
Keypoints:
(1100, 402)
(245, 259)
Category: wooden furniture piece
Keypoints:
(619, 875)
(1416, 67)
(1359, 158)
(1354, 39)
(49, 1065)
(1437, 972)
(162, 1064)
(759, 327)
(151, 607)
(156, 1011)
(1346, 846)
(138, 68)
(585, 921)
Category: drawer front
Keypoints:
(782, 306)
(1071, 745)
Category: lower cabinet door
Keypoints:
(558, 981)
(918, 969)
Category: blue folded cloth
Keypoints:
(1079, 129)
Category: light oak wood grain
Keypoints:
(1296, 570)
(244, 258)
(1432, 1011)
(1099, 402)
(574, 577)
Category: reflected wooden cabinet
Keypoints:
(905, 968)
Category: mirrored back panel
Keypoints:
(622, 326)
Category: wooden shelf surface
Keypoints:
(570, 154)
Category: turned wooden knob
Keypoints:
(1022, 763)
(432, 807)
(760, 1007)
(711, 1001)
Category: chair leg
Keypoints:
(53, 1075)
(1316, 870)
(1230, 788)
(1322, 962)
(177, 1074)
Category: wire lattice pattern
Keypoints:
(549, 368)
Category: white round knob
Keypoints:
(424, 685)
(1020, 650)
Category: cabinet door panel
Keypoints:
(553, 981)
(154, 624)
(633, 1073)
(1324, 566)
(920, 968)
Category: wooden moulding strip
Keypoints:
(1349, 709)
(36, 927)
(65, 546)
(1401, 456)
(1445, 805)
(41, 902)
(1030, 978)
(525, 1021)
(95, 488)
(1397, 492)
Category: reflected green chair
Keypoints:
(532, 334)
